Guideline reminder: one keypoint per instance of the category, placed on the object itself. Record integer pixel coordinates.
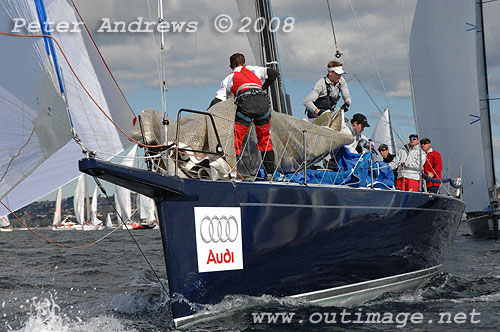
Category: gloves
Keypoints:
(345, 107)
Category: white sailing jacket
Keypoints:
(409, 163)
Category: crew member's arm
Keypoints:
(344, 89)
(223, 91)
(272, 74)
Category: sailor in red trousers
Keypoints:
(433, 165)
(247, 84)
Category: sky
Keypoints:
(372, 35)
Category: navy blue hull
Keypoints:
(295, 238)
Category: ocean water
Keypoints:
(109, 287)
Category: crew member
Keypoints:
(433, 165)
(327, 91)
(247, 84)
(409, 162)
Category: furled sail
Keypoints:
(37, 154)
(444, 71)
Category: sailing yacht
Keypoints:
(221, 235)
(324, 243)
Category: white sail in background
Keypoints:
(37, 154)
(122, 195)
(382, 134)
(79, 200)
(444, 77)
(147, 209)
(58, 210)
(4, 221)
(95, 220)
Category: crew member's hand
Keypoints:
(430, 174)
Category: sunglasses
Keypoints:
(382, 150)
(413, 138)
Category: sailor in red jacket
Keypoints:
(247, 84)
(433, 165)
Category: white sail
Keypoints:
(95, 220)
(443, 67)
(37, 154)
(382, 134)
(147, 209)
(4, 221)
(109, 223)
(58, 210)
(249, 9)
(79, 200)
(122, 195)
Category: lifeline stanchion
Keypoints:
(304, 132)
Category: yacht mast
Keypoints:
(269, 53)
(484, 107)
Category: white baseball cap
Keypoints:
(338, 70)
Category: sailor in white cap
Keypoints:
(327, 91)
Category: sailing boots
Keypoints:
(268, 161)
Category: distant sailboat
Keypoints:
(80, 203)
(5, 224)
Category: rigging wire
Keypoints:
(131, 235)
(409, 70)
(375, 65)
(337, 52)
(156, 53)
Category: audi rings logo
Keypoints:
(219, 229)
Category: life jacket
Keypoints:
(243, 80)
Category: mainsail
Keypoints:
(443, 68)
(37, 154)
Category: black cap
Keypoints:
(425, 141)
(413, 136)
(360, 118)
(383, 147)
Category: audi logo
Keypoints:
(218, 228)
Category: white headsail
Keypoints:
(57, 210)
(382, 134)
(37, 154)
(122, 195)
(147, 209)
(4, 221)
(444, 72)
(79, 200)
(95, 220)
